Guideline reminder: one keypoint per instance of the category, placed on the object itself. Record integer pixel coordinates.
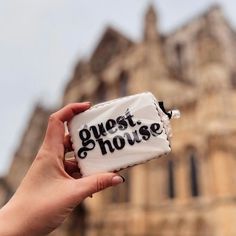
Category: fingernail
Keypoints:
(117, 180)
(88, 103)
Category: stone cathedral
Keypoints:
(192, 191)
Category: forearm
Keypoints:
(14, 220)
(9, 221)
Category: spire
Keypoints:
(215, 13)
(150, 24)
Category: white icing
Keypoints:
(141, 107)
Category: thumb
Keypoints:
(95, 183)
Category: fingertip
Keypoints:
(87, 103)
(67, 112)
(117, 180)
(79, 107)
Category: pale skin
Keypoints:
(51, 188)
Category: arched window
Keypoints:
(179, 54)
(123, 84)
(101, 93)
(194, 175)
(209, 49)
(179, 48)
(171, 183)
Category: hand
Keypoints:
(48, 193)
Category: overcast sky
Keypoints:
(41, 40)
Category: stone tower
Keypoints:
(150, 25)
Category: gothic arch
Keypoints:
(211, 72)
(123, 83)
(209, 48)
(179, 52)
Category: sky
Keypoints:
(41, 41)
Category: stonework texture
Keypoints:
(191, 192)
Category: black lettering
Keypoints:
(122, 123)
(98, 132)
(129, 139)
(133, 139)
(155, 129)
(143, 130)
(139, 122)
(129, 117)
(88, 144)
(110, 126)
(103, 145)
(82, 152)
(84, 135)
(136, 137)
(119, 142)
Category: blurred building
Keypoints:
(190, 193)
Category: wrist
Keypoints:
(7, 221)
(13, 221)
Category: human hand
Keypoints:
(49, 192)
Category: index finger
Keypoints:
(67, 112)
(56, 130)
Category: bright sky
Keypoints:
(41, 40)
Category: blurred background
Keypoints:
(56, 52)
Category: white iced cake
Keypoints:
(120, 133)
